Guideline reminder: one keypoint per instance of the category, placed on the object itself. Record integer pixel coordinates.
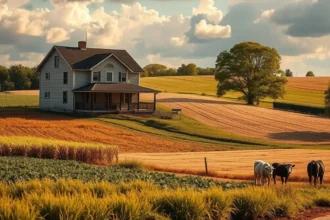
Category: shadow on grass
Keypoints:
(306, 136)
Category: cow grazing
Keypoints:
(315, 169)
(262, 171)
(282, 170)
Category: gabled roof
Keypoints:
(86, 59)
(114, 88)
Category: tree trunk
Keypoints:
(250, 100)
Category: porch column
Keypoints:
(138, 104)
(120, 100)
(110, 100)
(92, 97)
(129, 100)
(83, 96)
(155, 101)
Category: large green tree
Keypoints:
(155, 70)
(310, 74)
(205, 71)
(21, 76)
(250, 68)
(5, 83)
(288, 73)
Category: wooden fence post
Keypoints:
(206, 170)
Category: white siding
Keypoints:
(82, 78)
(117, 67)
(55, 85)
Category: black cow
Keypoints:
(282, 170)
(315, 169)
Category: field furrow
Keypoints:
(251, 121)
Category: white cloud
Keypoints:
(265, 15)
(178, 41)
(26, 22)
(207, 7)
(207, 31)
(26, 59)
(56, 35)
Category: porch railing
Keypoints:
(114, 107)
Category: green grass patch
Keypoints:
(12, 100)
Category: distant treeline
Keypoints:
(18, 77)
(191, 69)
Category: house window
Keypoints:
(57, 61)
(65, 78)
(47, 76)
(65, 97)
(109, 76)
(47, 95)
(96, 76)
(122, 77)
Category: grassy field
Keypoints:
(232, 164)
(307, 91)
(19, 99)
(92, 153)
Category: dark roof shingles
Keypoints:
(114, 88)
(86, 59)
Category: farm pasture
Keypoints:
(251, 121)
(300, 90)
(232, 164)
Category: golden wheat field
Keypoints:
(251, 121)
(232, 164)
(51, 126)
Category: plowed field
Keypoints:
(280, 126)
(70, 129)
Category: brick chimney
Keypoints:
(82, 45)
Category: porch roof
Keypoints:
(114, 88)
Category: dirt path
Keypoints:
(251, 121)
(233, 164)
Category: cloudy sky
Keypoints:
(170, 32)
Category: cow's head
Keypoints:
(289, 167)
(270, 170)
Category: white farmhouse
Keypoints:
(81, 79)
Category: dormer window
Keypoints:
(96, 76)
(56, 61)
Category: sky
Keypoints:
(170, 32)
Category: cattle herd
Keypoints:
(264, 171)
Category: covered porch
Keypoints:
(113, 98)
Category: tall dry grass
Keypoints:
(92, 153)
(73, 199)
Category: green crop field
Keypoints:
(206, 85)
(14, 169)
(13, 100)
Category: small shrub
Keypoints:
(219, 204)
(253, 203)
(180, 205)
(136, 165)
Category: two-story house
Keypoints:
(85, 79)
